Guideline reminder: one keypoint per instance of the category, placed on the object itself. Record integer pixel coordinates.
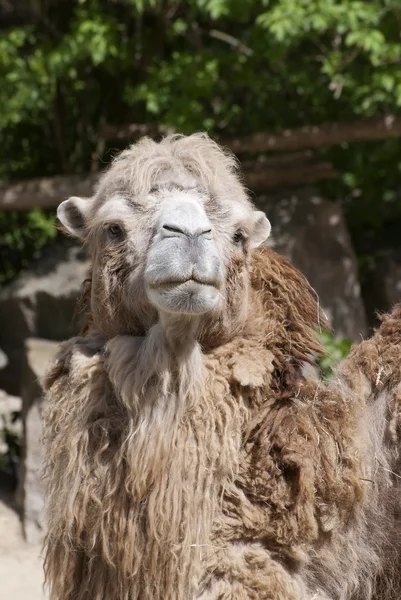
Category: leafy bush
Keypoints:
(21, 235)
(337, 349)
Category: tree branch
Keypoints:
(290, 140)
(231, 40)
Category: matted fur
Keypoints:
(217, 471)
(254, 494)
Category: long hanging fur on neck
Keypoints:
(131, 502)
(226, 474)
(140, 446)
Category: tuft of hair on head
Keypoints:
(141, 164)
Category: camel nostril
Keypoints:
(177, 230)
(174, 229)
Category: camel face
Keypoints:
(184, 272)
(170, 230)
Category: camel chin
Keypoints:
(188, 298)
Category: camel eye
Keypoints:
(238, 237)
(115, 231)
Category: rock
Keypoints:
(40, 303)
(30, 492)
(382, 283)
(311, 232)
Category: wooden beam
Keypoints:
(311, 137)
(44, 192)
(48, 192)
(269, 179)
(288, 140)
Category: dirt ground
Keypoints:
(21, 573)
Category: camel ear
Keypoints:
(72, 214)
(261, 229)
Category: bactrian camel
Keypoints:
(189, 455)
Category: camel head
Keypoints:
(170, 231)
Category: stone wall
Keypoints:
(311, 232)
(36, 312)
(40, 303)
(38, 354)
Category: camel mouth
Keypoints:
(189, 296)
(175, 283)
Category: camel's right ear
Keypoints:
(72, 214)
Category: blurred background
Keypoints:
(307, 93)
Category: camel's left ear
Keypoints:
(261, 229)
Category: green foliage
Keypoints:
(227, 66)
(89, 61)
(21, 235)
(337, 349)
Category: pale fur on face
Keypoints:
(166, 225)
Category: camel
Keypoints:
(190, 455)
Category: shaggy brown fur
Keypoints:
(275, 486)
(220, 471)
